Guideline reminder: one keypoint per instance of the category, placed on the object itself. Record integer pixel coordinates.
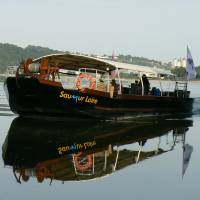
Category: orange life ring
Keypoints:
(83, 166)
(86, 76)
(27, 63)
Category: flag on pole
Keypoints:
(190, 68)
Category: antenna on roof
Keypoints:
(113, 55)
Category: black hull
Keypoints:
(27, 96)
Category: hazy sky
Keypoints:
(158, 29)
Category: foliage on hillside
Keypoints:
(181, 72)
(12, 55)
(141, 61)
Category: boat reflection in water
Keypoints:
(83, 150)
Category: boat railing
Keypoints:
(181, 86)
(100, 77)
(68, 82)
(181, 90)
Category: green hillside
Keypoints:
(142, 61)
(12, 55)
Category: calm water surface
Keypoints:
(141, 158)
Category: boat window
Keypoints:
(68, 81)
(100, 79)
(85, 78)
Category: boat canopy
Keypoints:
(131, 67)
(150, 71)
(75, 62)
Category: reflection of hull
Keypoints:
(49, 149)
(30, 96)
(31, 141)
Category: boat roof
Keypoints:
(75, 62)
(131, 67)
(71, 61)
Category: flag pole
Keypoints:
(186, 73)
(190, 68)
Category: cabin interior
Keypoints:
(76, 72)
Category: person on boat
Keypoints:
(146, 84)
(113, 88)
(136, 82)
(155, 91)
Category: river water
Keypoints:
(142, 158)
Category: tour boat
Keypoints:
(81, 86)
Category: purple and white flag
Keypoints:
(190, 68)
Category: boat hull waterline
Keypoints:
(30, 96)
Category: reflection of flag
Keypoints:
(190, 69)
(187, 151)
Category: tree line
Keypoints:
(181, 72)
(12, 55)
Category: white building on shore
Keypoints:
(179, 62)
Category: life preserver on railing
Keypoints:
(26, 64)
(86, 76)
(83, 163)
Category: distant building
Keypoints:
(103, 57)
(114, 57)
(180, 62)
